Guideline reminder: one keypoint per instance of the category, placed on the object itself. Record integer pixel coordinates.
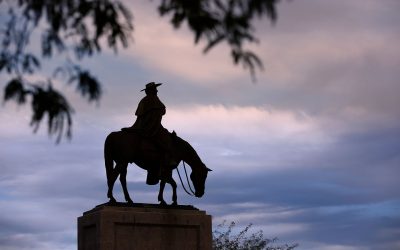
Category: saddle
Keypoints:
(160, 146)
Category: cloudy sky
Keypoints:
(310, 153)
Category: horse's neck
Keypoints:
(188, 154)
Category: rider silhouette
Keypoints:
(150, 111)
(149, 115)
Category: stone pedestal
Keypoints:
(144, 227)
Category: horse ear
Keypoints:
(209, 170)
(173, 133)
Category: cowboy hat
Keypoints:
(151, 85)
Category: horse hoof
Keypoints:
(174, 203)
(112, 200)
(130, 202)
(163, 203)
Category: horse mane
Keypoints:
(187, 148)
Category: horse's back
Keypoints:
(123, 136)
(122, 145)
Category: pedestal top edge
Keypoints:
(143, 207)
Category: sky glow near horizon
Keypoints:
(309, 153)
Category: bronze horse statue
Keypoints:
(123, 147)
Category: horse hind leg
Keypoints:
(122, 179)
(112, 175)
(110, 182)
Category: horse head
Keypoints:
(198, 177)
(190, 156)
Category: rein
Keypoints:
(187, 179)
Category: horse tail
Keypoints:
(108, 159)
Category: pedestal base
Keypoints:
(143, 226)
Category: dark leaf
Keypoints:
(3, 61)
(15, 90)
(30, 63)
(51, 40)
(213, 43)
(87, 85)
(126, 13)
(51, 104)
(8, 62)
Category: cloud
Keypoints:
(253, 123)
(242, 135)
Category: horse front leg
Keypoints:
(172, 182)
(122, 179)
(161, 193)
(110, 192)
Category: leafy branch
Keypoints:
(45, 102)
(65, 27)
(225, 239)
(217, 21)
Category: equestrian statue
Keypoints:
(153, 148)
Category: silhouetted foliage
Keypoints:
(219, 21)
(15, 90)
(87, 85)
(47, 101)
(64, 26)
(76, 29)
(225, 239)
